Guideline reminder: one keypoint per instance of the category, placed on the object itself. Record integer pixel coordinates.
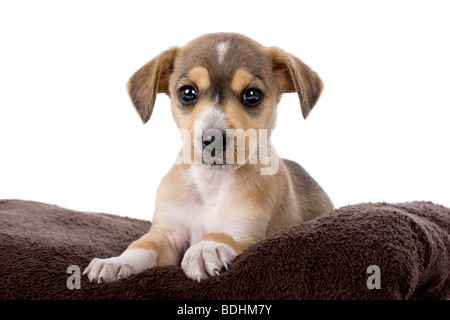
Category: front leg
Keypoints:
(158, 247)
(210, 255)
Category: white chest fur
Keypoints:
(212, 186)
(204, 212)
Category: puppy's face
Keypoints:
(220, 84)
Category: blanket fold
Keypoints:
(362, 251)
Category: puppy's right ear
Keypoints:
(149, 80)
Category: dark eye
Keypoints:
(252, 97)
(187, 95)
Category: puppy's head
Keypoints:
(220, 83)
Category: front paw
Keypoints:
(207, 258)
(129, 262)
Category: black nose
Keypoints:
(210, 138)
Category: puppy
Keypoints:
(224, 88)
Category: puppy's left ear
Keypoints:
(151, 79)
(293, 75)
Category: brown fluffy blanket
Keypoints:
(327, 258)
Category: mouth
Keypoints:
(215, 158)
(223, 149)
(220, 154)
(217, 167)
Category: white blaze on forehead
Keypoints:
(222, 49)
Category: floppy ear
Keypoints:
(149, 80)
(295, 76)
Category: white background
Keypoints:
(70, 136)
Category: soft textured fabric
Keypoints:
(326, 258)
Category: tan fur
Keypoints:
(242, 79)
(245, 206)
(186, 122)
(160, 237)
(225, 238)
(200, 76)
(151, 79)
(293, 75)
